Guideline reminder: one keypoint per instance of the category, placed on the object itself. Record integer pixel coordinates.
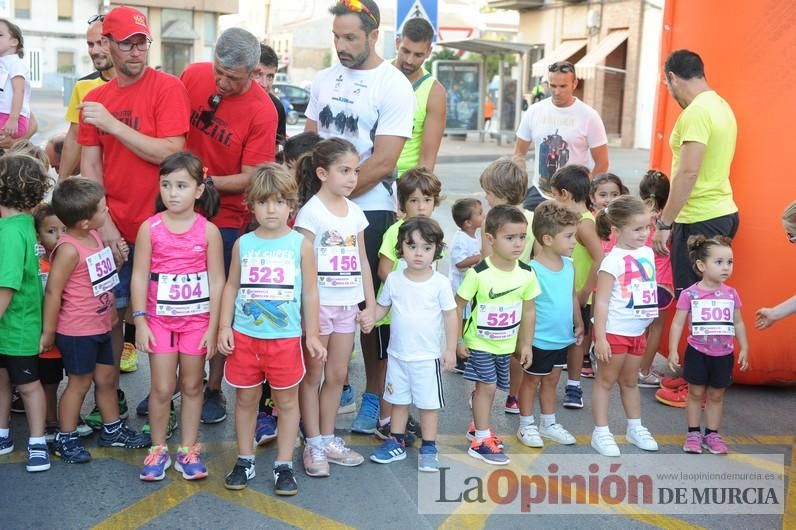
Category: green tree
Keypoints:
(444, 54)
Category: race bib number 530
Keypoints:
(102, 271)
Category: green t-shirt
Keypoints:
(582, 259)
(497, 297)
(708, 120)
(20, 325)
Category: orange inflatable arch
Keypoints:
(749, 50)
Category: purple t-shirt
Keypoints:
(711, 318)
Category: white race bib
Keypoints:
(339, 266)
(102, 271)
(267, 278)
(183, 294)
(645, 299)
(712, 317)
(498, 322)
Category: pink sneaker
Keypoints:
(713, 443)
(693, 443)
(338, 453)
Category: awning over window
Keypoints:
(565, 50)
(588, 65)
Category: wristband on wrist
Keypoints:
(660, 225)
(460, 341)
(137, 314)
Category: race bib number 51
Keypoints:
(102, 271)
(712, 317)
(645, 299)
(267, 278)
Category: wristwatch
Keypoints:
(660, 225)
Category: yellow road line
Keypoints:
(789, 518)
(153, 505)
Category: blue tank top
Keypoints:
(554, 311)
(268, 305)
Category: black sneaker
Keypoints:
(143, 407)
(214, 407)
(413, 431)
(17, 405)
(124, 437)
(284, 481)
(459, 368)
(240, 475)
(573, 397)
(69, 448)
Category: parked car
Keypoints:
(297, 96)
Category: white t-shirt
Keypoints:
(634, 285)
(359, 105)
(416, 324)
(12, 66)
(561, 136)
(336, 251)
(463, 247)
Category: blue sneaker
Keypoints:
(573, 397)
(428, 459)
(69, 448)
(348, 400)
(124, 437)
(488, 451)
(155, 464)
(368, 415)
(266, 429)
(390, 451)
(6, 444)
(38, 458)
(189, 463)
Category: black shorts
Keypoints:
(83, 354)
(707, 370)
(22, 369)
(545, 360)
(51, 371)
(378, 223)
(585, 314)
(684, 275)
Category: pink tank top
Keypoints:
(176, 254)
(81, 312)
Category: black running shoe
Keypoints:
(240, 475)
(124, 437)
(284, 481)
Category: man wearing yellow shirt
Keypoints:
(703, 145)
(100, 56)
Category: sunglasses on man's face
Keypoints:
(96, 18)
(207, 115)
(564, 68)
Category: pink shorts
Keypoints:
(254, 361)
(168, 341)
(338, 319)
(631, 345)
(22, 124)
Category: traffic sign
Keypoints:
(407, 9)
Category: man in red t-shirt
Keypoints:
(127, 127)
(233, 129)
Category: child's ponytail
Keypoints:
(209, 201)
(309, 183)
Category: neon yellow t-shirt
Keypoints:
(708, 120)
(497, 296)
(82, 87)
(582, 259)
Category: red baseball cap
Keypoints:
(123, 22)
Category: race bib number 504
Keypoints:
(183, 294)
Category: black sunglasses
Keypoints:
(207, 115)
(96, 18)
(564, 68)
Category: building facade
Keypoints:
(614, 45)
(55, 33)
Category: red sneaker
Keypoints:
(673, 382)
(674, 397)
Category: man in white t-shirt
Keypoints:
(367, 101)
(564, 131)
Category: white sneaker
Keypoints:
(529, 435)
(651, 380)
(604, 444)
(557, 433)
(641, 438)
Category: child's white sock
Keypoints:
(525, 421)
(633, 422)
(316, 441)
(603, 429)
(34, 440)
(547, 420)
(384, 421)
(326, 439)
(482, 435)
(4, 433)
(570, 382)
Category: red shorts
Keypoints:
(254, 361)
(622, 344)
